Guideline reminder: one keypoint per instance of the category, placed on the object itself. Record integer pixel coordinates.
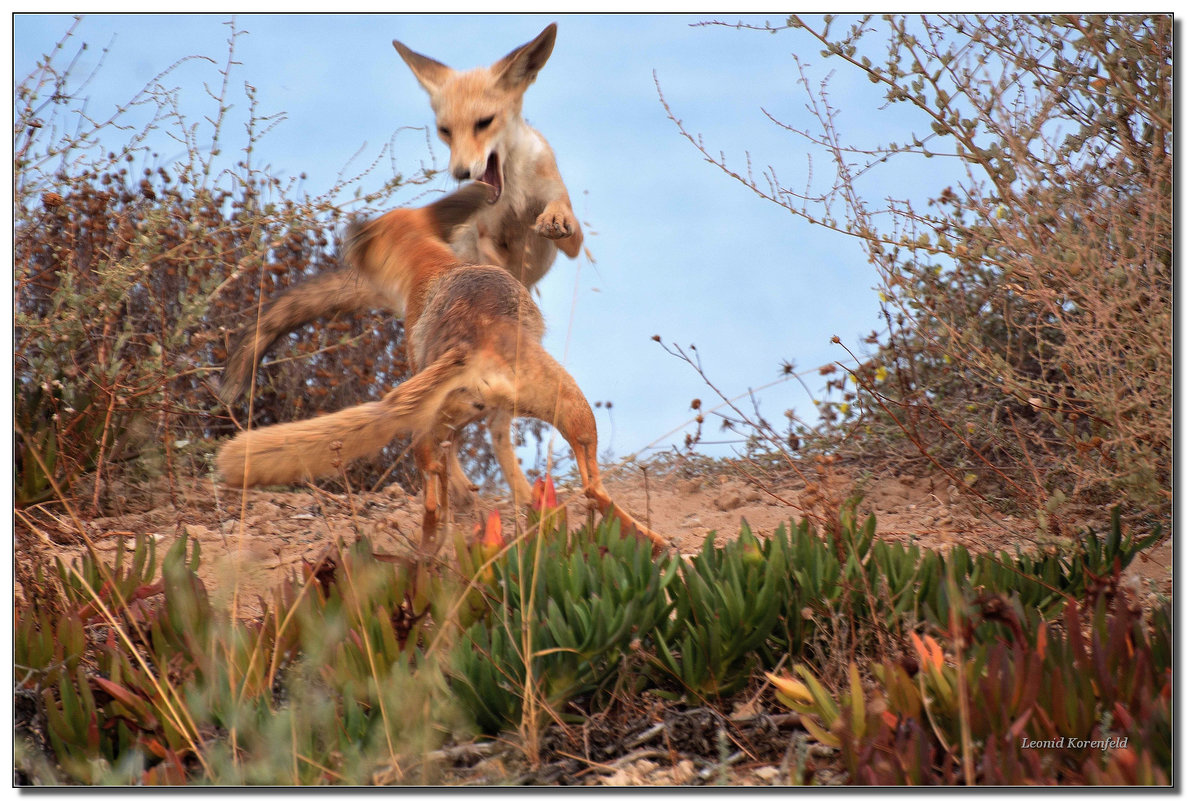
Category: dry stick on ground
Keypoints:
(765, 488)
(336, 447)
(391, 466)
(102, 441)
(647, 493)
(167, 431)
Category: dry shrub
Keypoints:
(1027, 351)
(132, 276)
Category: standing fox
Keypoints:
(474, 338)
(528, 216)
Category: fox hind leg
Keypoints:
(500, 436)
(461, 488)
(426, 451)
(549, 393)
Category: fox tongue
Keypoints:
(492, 175)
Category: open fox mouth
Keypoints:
(493, 176)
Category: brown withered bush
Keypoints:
(1027, 348)
(132, 277)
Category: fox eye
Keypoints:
(483, 123)
(443, 131)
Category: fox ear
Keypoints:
(519, 68)
(431, 74)
(453, 210)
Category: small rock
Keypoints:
(728, 501)
(262, 550)
(618, 778)
(682, 772)
(491, 769)
(746, 710)
(266, 510)
(768, 774)
(196, 532)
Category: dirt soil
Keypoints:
(251, 539)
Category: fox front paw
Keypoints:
(556, 223)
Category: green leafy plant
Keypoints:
(364, 662)
(45, 648)
(181, 693)
(727, 606)
(572, 605)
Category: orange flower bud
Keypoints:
(492, 538)
(544, 494)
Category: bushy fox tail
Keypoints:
(289, 452)
(340, 291)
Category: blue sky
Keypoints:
(681, 249)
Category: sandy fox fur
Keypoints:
(285, 452)
(520, 228)
(474, 337)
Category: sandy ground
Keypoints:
(251, 539)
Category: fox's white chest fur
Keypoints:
(502, 233)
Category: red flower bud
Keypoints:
(492, 538)
(544, 494)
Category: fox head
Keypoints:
(478, 110)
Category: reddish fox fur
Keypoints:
(474, 337)
(520, 228)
